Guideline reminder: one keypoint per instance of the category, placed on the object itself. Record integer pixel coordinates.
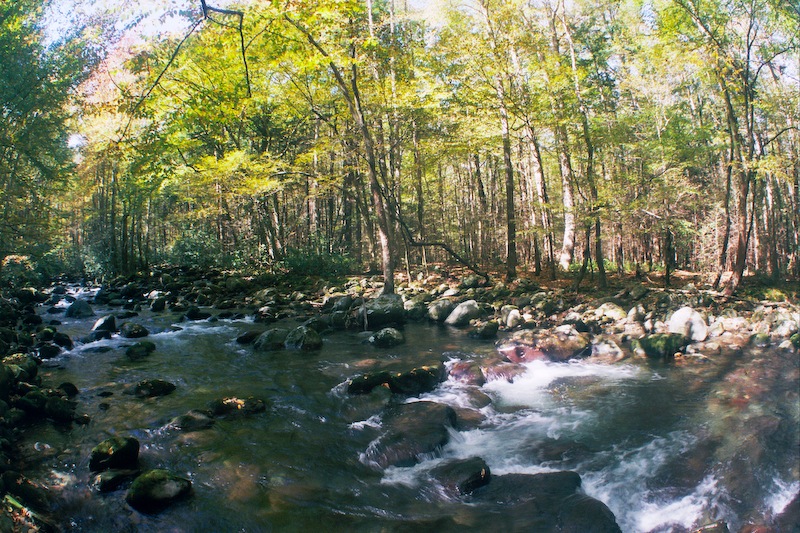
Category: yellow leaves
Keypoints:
(239, 172)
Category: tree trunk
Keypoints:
(511, 222)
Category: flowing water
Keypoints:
(666, 447)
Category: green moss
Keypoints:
(661, 345)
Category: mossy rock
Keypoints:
(131, 330)
(365, 383)
(150, 388)
(417, 380)
(155, 490)
(795, 340)
(760, 340)
(115, 453)
(387, 337)
(661, 345)
(272, 339)
(111, 480)
(303, 338)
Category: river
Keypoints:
(668, 447)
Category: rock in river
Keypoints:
(462, 476)
(150, 388)
(116, 452)
(413, 431)
(79, 309)
(463, 313)
(131, 330)
(387, 337)
(270, 340)
(689, 323)
(155, 490)
(140, 350)
(549, 501)
(383, 310)
(303, 338)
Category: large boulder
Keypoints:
(79, 309)
(116, 452)
(412, 431)
(383, 310)
(303, 338)
(155, 490)
(689, 323)
(463, 313)
(439, 310)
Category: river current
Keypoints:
(668, 447)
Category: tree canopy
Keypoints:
(536, 136)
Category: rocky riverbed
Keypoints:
(527, 324)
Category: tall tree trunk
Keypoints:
(511, 222)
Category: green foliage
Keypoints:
(18, 271)
(303, 262)
(197, 248)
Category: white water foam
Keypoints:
(782, 495)
(623, 486)
(531, 388)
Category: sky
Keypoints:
(125, 12)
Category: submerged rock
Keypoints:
(150, 388)
(485, 330)
(248, 337)
(115, 453)
(140, 350)
(413, 431)
(111, 480)
(155, 490)
(194, 420)
(559, 344)
(233, 405)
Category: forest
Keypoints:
(549, 138)
(390, 266)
